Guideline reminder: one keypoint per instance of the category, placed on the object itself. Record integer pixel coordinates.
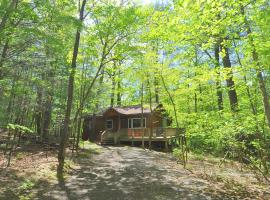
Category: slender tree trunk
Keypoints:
(183, 142)
(47, 115)
(119, 89)
(229, 80)
(156, 89)
(39, 112)
(79, 125)
(259, 73)
(65, 131)
(151, 118)
(142, 127)
(218, 83)
(264, 95)
(3, 56)
(252, 106)
(87, 92)
(200, 100)
(105, 52)
(97, 107)
(200, 88)
(79, 121)
(11, 99)
(195, 103)
(113, 90)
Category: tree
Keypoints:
(66, 128)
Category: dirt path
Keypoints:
(124, 173)
(120, 173)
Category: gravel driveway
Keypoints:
(129, 173)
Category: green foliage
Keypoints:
(20, 129)
(25, 188)
(26, 185)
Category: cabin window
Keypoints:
(109, 124)
(136, 123)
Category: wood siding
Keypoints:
(98, 123)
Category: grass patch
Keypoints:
(25, 189)
(199, 157)
(88, 148)
(88, 145)
(19, 156)
(194, 156)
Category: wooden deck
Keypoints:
(137, 139)
(136, 135)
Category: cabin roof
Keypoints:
(129, 110)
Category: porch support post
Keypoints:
(117, 141)
(166, 141)
(132, 139)
(143, 130)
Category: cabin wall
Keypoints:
(92, 127)
(99, 123)
(99, 128)
(124, 122)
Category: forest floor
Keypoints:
(119, 173)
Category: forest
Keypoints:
(206, 61)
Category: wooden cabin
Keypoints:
(128, 124)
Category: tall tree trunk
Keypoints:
(142, 127)
(218, 83)
(79, 125)
(262, 85)
(39, 112)
(188, 96)
(79, 120)
(113, 90)
(182, 136)
(3, 56)
(12, 98)
(119, 89)
(229, 80)
(264, 94)
(259, 73)
(47, 115)
(151, 115)
(252, 105)
(200, 88)
(65, 131)
(156, 89)
(101, 78)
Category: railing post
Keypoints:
(132, 137)
(166, 141)
(143, 130)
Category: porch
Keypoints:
(159, 134)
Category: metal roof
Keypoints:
(132, 110)
(128, 110)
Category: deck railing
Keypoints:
(126, 133)
(146, 132)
